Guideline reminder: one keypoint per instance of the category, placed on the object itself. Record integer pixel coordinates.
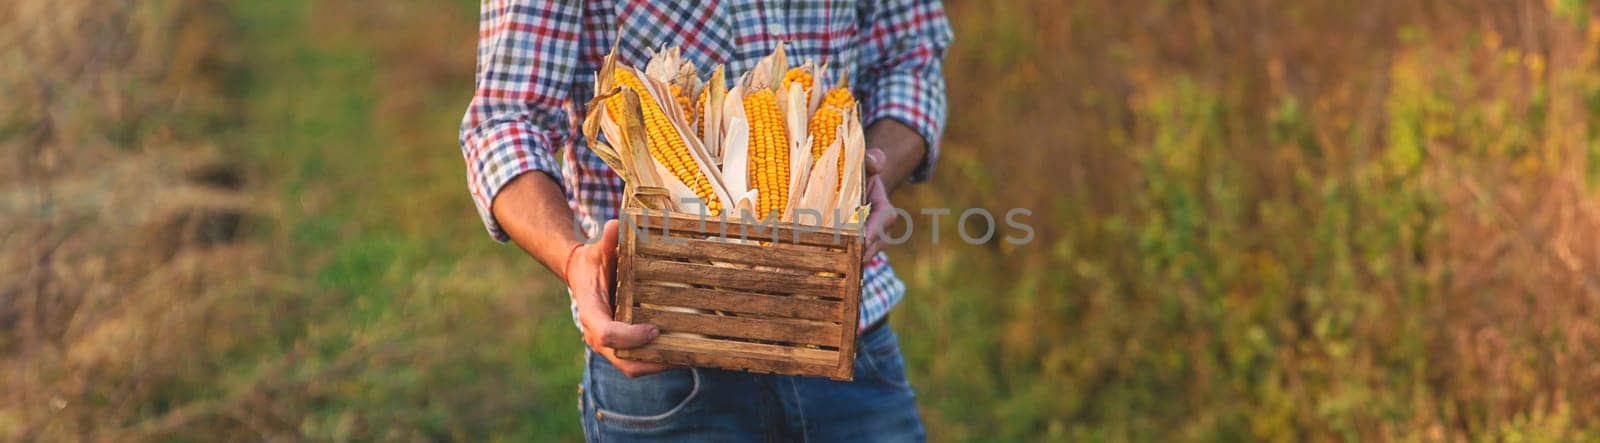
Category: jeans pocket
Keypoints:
(643, 402)
(880, 351)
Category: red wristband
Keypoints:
(566, 269)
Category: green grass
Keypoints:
(338, 179)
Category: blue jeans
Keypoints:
(698, 404)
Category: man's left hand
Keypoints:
(877, 194)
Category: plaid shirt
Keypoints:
(537, 59)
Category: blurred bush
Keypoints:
(1268, 222)
(1254, 221)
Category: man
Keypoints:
(536, 64)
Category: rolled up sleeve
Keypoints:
(903, 79)
(518, 119)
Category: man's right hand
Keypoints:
(590, 273)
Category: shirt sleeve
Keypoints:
(518, 119)
(903, 74)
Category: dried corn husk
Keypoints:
(821, 192)
(629, 126)
(719, 134)
(795, 118)
(854, 150)
(711, 118)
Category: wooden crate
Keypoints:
(789, 307)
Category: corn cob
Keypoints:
(665, 145)
(839, 97)
(683, 103)
(824, 126)
(801, 75)
(700, 109)
(769, 151)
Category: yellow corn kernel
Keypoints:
(665, 145)
(700, 109)
(839, 97)
(798, 75)
(824, 126)
(683, 103)
(769, 152)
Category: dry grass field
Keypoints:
(1258, 221)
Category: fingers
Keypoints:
(600, 330)
(882, 209)
(632, 368)
(874, 246)
(879, 199)
(875, 161)
(878, 221)
(608, 240)
(608, 249)
(593, 275)
(621, 335)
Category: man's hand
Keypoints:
(882, 208)
(589, 273)
(535, 215)
(895, 150)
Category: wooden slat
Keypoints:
(643, 263)
(740, 302)
(684, 357)
(703, 360)
(852, 303)
(787, 331)
(738, 279)
(778, 255)
(735, 228)
(627, 254)
(746, 350)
